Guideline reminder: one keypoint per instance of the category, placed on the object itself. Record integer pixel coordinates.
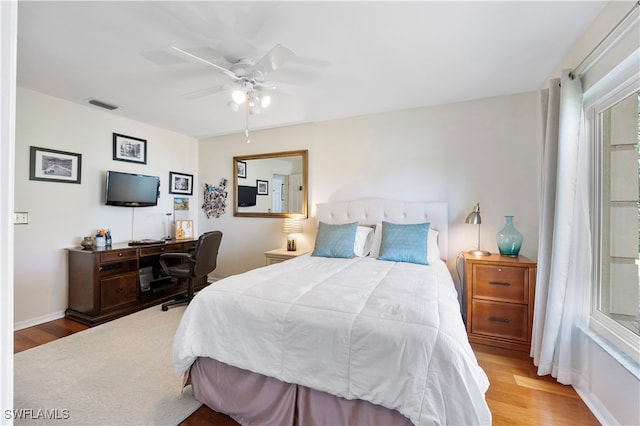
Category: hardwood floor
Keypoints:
(517, 395)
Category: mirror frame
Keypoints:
(305, 192)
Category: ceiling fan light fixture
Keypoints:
(266, 101)
(239, 97)
(233, 106)
(254, 107)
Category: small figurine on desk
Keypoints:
(87, 242)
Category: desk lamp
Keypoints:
(474, 218)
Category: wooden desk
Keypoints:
(104, 283)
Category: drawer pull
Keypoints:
(120, 254)
(119, 290)
(499, 283)
(497, 319)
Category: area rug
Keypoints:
(118, 373)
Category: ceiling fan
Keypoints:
(247, 76)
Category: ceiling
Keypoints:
(353, 58)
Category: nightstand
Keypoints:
(280, 255)
(499, 294)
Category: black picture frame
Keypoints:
(180, 183)
(263, 187)
(242, 169)
(52, 165)
(130, 149)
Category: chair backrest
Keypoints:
(205, 256)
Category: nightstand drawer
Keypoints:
(502, 320)
(501, 283)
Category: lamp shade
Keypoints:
(474, 218)
(291, 225)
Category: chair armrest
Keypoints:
(164, 256)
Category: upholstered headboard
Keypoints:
(371, 211)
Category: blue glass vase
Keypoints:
(509, 239)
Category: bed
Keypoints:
(325, 339)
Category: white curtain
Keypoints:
(564, 253)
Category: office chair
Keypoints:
(192, 266)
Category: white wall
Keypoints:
(484, 151)
(60, 214)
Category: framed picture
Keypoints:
(180, 204)
(263, 187)
(184, 229)
(180, 183)
(127, 148)
(54, 166)
(242, 169)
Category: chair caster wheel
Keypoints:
(165, 308)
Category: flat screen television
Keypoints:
(247, 195)
(131, 190)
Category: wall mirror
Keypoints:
(270, 185)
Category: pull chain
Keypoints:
(246, 127)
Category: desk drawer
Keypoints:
(501, 283)
(496, 319)
(155, 250)
(119, 290)
(115, 255)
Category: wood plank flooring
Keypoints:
(517, 395)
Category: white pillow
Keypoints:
(433, 251)
(364, 241)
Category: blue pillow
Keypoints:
(404, 243)
(335, 240)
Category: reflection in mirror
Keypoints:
(270, 185)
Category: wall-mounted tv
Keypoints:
(247, 195)
(131, 190)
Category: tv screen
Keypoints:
(131, 190)
(247, 196)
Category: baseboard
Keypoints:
(36, 321)
(597, 408)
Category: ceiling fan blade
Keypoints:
(273, 59)
(191, 56)
(200, 93)
(267, 85)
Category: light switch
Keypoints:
(21, 218)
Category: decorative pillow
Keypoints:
(335, 240)
(404, 243)
(364, 241)
(433, 250)
(377, 239)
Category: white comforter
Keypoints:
(389, 333)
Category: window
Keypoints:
(615, 311)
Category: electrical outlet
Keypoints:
(21, 218)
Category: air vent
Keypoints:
(102, 104)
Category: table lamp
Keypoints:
(291, 226)
(474, 218)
